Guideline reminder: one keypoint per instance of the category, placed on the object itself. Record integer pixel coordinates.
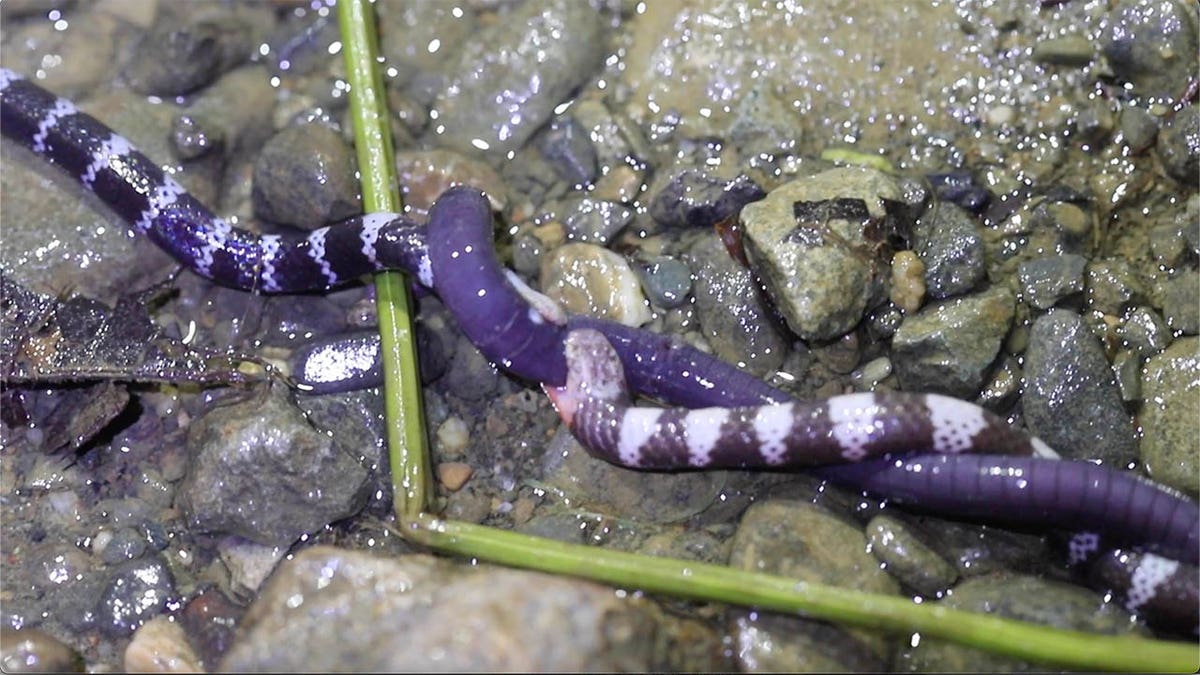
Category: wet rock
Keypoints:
(811, 243)
(961, 189)
(209, 620)
(160, 646)
(1020, 597)
(305, 177)
(947, 347)
(618, 143)
(30, 650)
(1143, 331)
(126, 544)
(1139, 128)
(733, 319)
(137, 591)
(1181, 302)
(292, 320)
(237, 109)
(1072, 400)
(512, 74)
(1170, 427)
(183, 53)
(335, 609)
(1152, 44)
(422, 42)
(471, 375)
(665, 280)
(1068, 50)
(249, 564)
(568, 148)
(1179, 145)
(1127, 366)
(599, 486)
(950, 243)
(1113, 284)
(803, 541)
(907, 557)
(695, 198)
(258, 469)
(590, 220)
(425, 174)
(1049, 279)
(588, 279)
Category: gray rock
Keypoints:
(407, 30)
(1170, 426)
(599, 486)
(567, 146)
(126, 544)
(512, 74)
(947, 347)
(1114, 284)
(1138, 127)
(137, 591)
(471, 375)
(1072, 400)
(805, 542)
(1127, 366)
(818, 267)
(1049, 279)
(695, 198)
(591, 220)
(183, 53)
(1152, 44)
(305, 176)
(951, 246)
(1020, 597)
(732, 316)
(908, 558)
(1181, 302)
(1068, 50)
(239, 108)
(336, 610)
(666, 281)
(32, 650)
(258, 469)
(976, 550)
(1179, 145)
(1144, 331)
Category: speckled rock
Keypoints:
(186, 50)
(1179, 145)
(1143, 331)
(1170, 426)
(1072, 400)
(950, 244)
(512, 74)
(258, 469)
(695, 198)
(908, 558)
(137, 591)
(733, 319)
(588, 279)
(816, 265)
(590, 220)
(1181, 302)
(35, 651)
(332, 609)
(606, 488)
(305, 176)
(567, 146)
(1113, 284)
(1152, 44)
(947, 347)
(1017, 597)
(1046, 280)
(803, 541)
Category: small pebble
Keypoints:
(454, 475)
(588, 279)
(908, 281)
(34, 651)
(160, 646)
(453, 435)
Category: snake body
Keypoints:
(454, 257)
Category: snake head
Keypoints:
(594, 373)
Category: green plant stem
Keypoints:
(403, 411)
(686, 579)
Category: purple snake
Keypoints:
(454, 257)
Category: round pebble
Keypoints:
(454, 475)
(453, 435)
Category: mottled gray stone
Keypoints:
(137, 591)
(1020, 597)
(666, 281)
(1072, 400)
(908, 558)
(1179, 145)
(732, 316)
(695, 198)
(1113, 284)
(1181, 302)
(305, 176)
(258, 469)
(512, 74)
(947, 347)
(1170, 423)
(591, 220)
(805, 542)
(1144, 331)
(820, 274)
(337, 610)
(951, 246)
(1046, 280)
(1152, 44)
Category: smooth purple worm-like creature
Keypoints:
(454, 256)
